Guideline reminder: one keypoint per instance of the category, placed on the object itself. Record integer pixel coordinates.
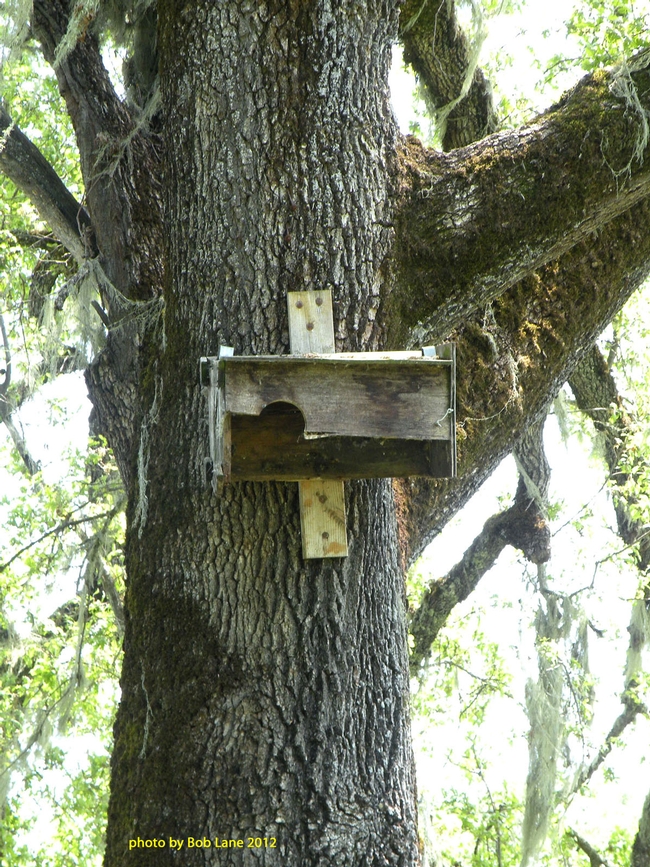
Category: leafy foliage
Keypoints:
(62, 579)
(608, 31)
(61, 570)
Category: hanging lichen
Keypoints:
(639, 630)
(543, 705)
(562, 652)
(624, 87)
(14, 28)
(144, 453)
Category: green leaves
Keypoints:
(61, 577)
(608, 31)
(605, 32)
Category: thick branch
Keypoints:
(514, 361)
(120, 165)
(33, 175)
(438, 51)
(477, 220)
(596, 394)
(528, 530)
(94, 108)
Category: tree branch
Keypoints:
(523, 526)
(438, 50)
(595, 859)
(120, 163)
(474, 222)
(629, 713)
(62, 525)
(31, 465)
(444, 594)
(596, 394)
(23, 163)
(512, 362)
(121, 166)
(528, 529)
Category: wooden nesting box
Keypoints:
(331, 416)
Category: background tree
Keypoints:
(262, 695)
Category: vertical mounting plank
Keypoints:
(322, 519)
(322, 502)
(311, 322)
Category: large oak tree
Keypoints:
(256, 153)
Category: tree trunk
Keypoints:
(263, 696)
(641, 848)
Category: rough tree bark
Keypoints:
(263, 696)
(272, 702)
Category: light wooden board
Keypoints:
(311, 322)
(322, 519)
(322, 503)
(403, 399)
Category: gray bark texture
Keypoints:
(641, 848)
(264, 696)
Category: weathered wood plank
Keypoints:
(322, 503)
(322, 519)
(311, 322)
(272, 447)
(410, 399)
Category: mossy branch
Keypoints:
(474, 222)
(445, 63)
(23, 163)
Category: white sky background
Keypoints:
(503, 595)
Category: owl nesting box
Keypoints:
(331, 416)
(318, 417)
